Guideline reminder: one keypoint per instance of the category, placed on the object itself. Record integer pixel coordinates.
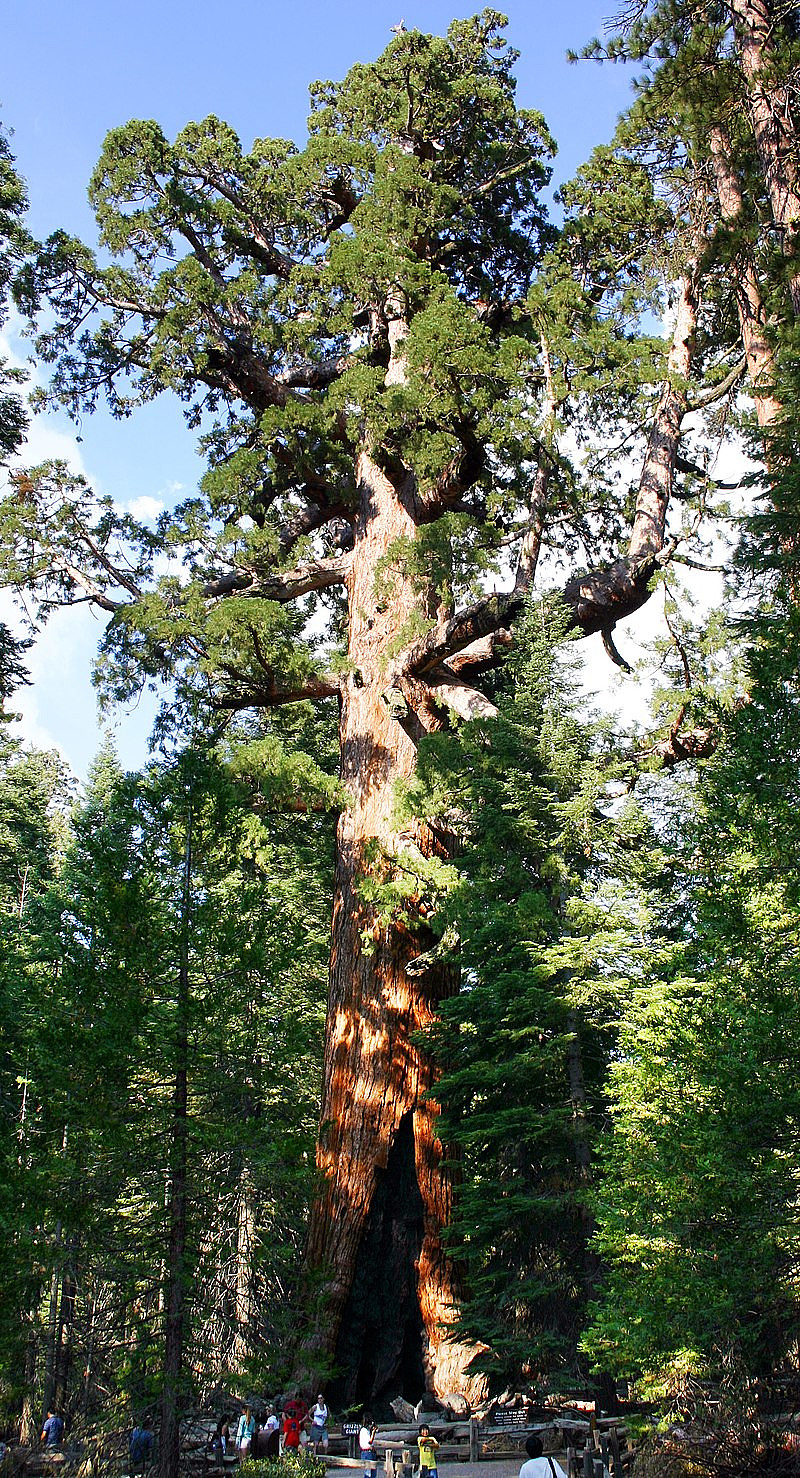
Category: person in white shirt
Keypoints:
(538, 1466)
(319, 1425)
(366, 1439)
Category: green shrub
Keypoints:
(302, 1464)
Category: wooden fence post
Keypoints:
(588, 1462)
(473, 1440)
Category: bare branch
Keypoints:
(500, 176)
(93, 592)
(283, 585)
(315, 374)
(693, 470)
(483, 655)
(612, 651)
(465, 628)
(718, 392)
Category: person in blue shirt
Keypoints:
(244, 1433)
(53, 1430)
(140, 1447)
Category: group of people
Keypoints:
(266, 1436)
(426, 1447)
(304, 1427)
(298, 1426)
(537, 1465)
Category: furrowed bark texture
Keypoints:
(773, 125)
(376, 1228)
(749, 302)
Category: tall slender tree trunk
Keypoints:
(28, 1426)
(66, 1325)
(89, 1359)
(245, 1247)
(390, 1290)
(532, 541)
(771, 112)
(597, 597)
(49, 1389)
(169, 1443)
(749, 302)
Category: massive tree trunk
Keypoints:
(376, 1229)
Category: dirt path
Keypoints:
(498, 1467)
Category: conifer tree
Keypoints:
(380, 335)
(14, 242)
(697, 1207)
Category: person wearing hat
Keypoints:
(538, 1466)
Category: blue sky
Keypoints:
(72, 71)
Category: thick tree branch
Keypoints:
(283, 585)
(237, 371)
(682, 464)
(315, 374)
(466, 701)
(317, 515)
(270, 695)
(464, 629)
(718, 392)
(483, 655)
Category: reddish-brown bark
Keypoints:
(376, 1074)
(771, 113)
(749, 302)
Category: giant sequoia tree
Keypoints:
(378, 336)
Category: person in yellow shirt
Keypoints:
(427, 1453)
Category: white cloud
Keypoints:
(145, 507)
(45, 441)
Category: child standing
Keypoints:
(427, 1453)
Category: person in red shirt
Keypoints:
(296, 1406)
(291, 1431)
